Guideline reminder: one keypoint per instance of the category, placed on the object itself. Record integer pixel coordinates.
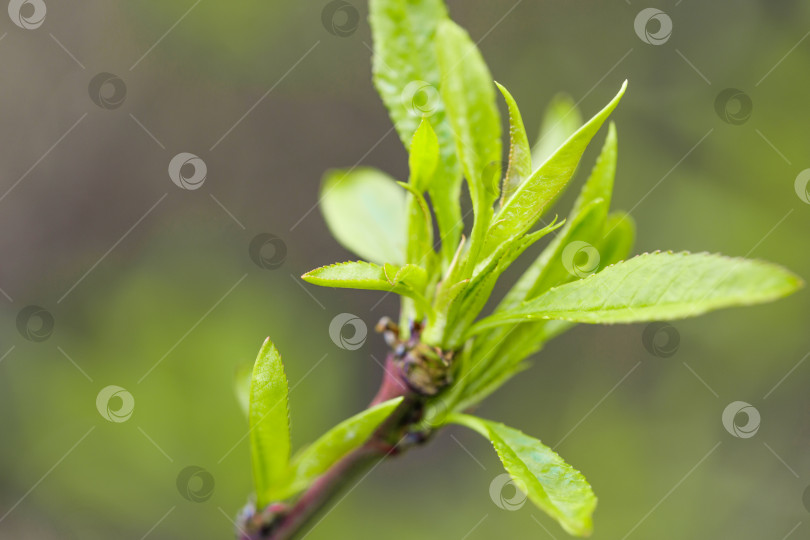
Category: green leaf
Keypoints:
(469, 95)
(520, 154)
(585, 224)
(499, 351)
(423, 160)
(450, 287)
(550, 483)
(471, 301)
(423, 157)
(600, 182)
(320, 456)
(420, 229)
(354, 275)
(371, 277)
(406, 74)
(365, 210)
(514, 343)
(540, 190)
(269, 424)
(551, 268)
(502, 348)
(657, 286)
(349, 275)
(411, 275)
(561, 120)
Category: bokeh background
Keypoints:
(153, 288)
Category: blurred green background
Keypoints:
(170, 304)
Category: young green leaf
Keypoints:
(471, 301)
(269, 424)
(561, 120)
(423, 161)
(412, 275)
(317, 458)
(508, 345)
(350, 275)
(600, 182)
(423, 157)
(498, 352)
(550, 268)
(371, 277)
(365, 210)
(537, 193)
(517, 343)
(520, 154)
(406, 74)
(503, 347)
(585, 224)
(354, 275)
(657, 286)
(420, 229)
(469, 95)
(550, 483)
